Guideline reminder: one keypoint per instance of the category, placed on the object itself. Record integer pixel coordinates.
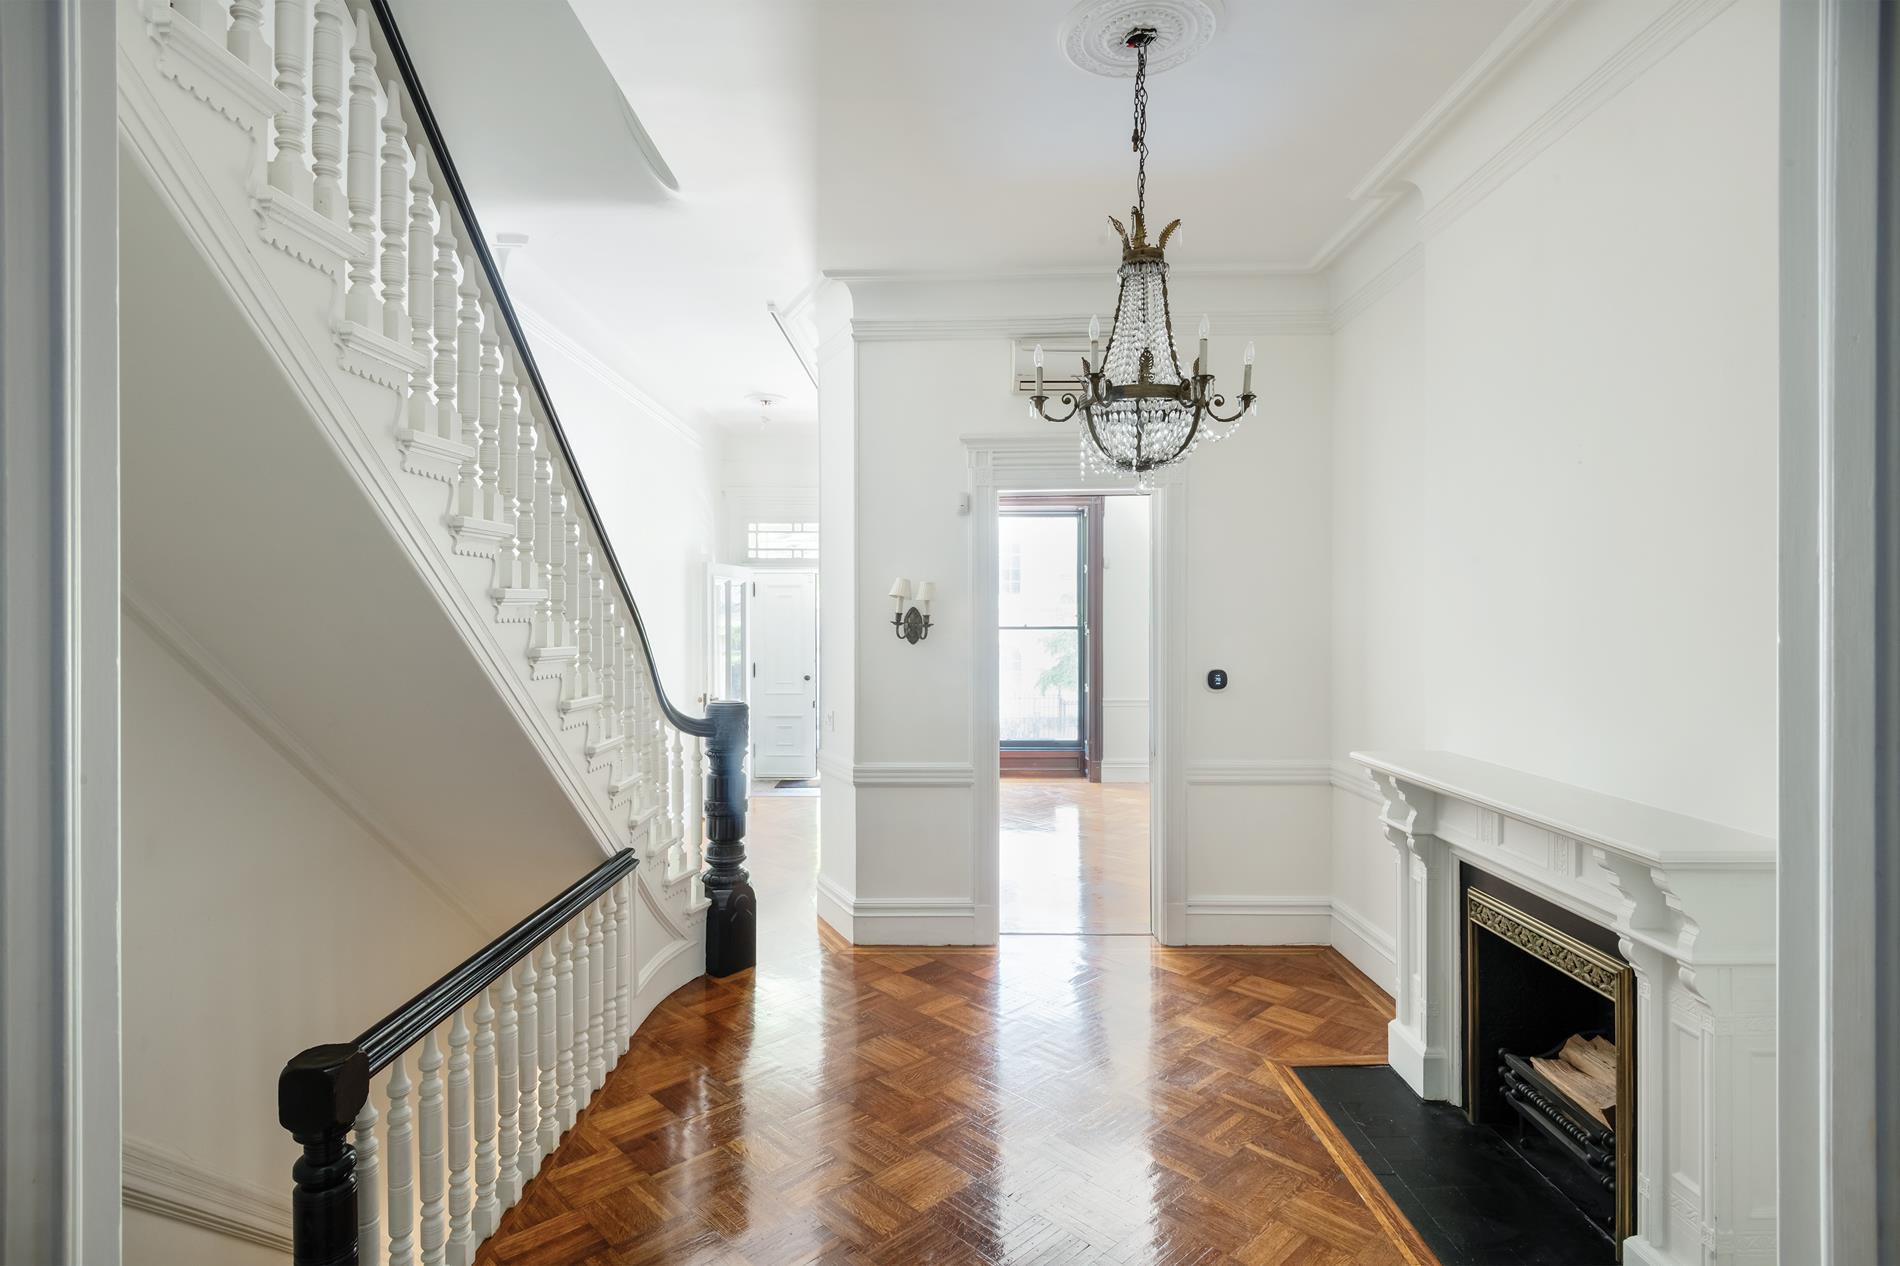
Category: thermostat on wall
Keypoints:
(1217, 679)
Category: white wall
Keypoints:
(1254, 840)
(237, 869)
(654, 481)
(1555, 455)
(1126, 609)
(766, 473)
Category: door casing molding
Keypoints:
(1046, 462)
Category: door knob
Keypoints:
(807, 676)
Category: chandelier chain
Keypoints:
(1140, 137)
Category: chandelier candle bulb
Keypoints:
(1246, 372)
(1095, 343)
(1203, 363)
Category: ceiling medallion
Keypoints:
(1095, 34)
(1139, 411)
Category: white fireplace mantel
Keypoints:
(1693, 905)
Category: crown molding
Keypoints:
(168, 1183)
(544, 333)
(1377, 286)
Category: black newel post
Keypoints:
(319, 1094)
(732, 932)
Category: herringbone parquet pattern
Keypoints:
(1056, 1100)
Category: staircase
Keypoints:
(296, 147)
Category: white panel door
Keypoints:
(785, 674)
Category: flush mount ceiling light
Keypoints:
(1139, 411)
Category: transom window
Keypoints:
(781, 540)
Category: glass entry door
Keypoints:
(1043, 617)
(729, 626)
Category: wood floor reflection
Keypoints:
(1074, 856)
(1058, 1099)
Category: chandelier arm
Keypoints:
(1067, 398)
(1246, 403)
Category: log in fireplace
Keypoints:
(1550, 1044)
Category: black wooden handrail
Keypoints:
(419, 103)
(405, 1026)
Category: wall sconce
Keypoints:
(912, 625)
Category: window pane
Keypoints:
(781, 540)
(1039, 673)
(1037, 564)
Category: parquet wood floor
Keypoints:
(1055, 1100)
(1074, 855)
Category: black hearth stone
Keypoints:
(1473, 1198)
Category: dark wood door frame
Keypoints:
(1045, 763)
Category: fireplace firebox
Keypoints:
(1550, 1044)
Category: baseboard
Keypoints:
(1124, 771)
(171, 1185)
(1365, 945)
(898, 920)
(1259, 921)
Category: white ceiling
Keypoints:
(891, 135)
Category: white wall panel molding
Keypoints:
(170, 1184)
(1259, 773)
(216, 678)
(918, 774)
(1351, 777)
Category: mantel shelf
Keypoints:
(1656, 837)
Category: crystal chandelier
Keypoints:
(1139, 411)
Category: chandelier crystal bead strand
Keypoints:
(1139, 411)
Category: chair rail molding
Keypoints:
(166, 1182)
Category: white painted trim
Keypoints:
(192, 656)
(834, 904)
(896, 920)
(1650, 45)
(543, 333)
(921, 774)
(168, 1183)
(1377, 287)
(1262, 323)
(59, 599)
(1354, 779)
(1259, 773)
(1046, 462)
(1249, 920)
(1125, 771)
(1365, 945)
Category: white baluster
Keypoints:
(488, 409)
(597, 974)
(507, 458)
(326, 119)
(362, 191)
(607, 635)
(402, 1170)
(524, 508)
(564, 1029)
(289, 171)
(557, 560)
(546, 635)
(395, 206)
(468, 386)
(696, 789)
(369, 1208)
(676, 802)
(528, 1032)
(447, 421)
(431, 1152)
(487, 1207)
(461, 1184)
(626, 967)
(421, 311)
(583, 615)
(507, 1100)
(609, 1045)
(246, 37)
(583, 982)
(549, 1135)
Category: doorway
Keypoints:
(764, 652)
(1073, 605)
